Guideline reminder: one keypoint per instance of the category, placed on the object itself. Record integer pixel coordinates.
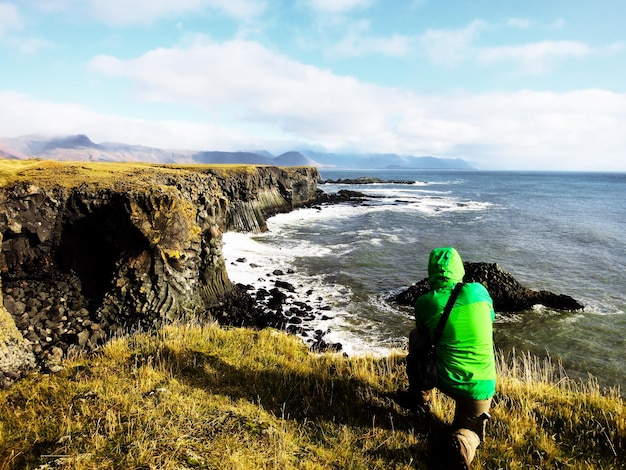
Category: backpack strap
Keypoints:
(446, 312)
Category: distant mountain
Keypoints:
(293, 159)
(79, 147)
(386, 160)
(36, 145)
(9, 152)
(231, 157)
(252, 158)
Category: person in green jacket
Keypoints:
(466, 369)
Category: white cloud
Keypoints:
(51, 5)
(519, 23)
(581, 130)
(11, 24)
(451, 47)
(29, 45)
(557, 24)
(254, 97)
(415, 4)
(337, 6)
(128, 12)
(359, 42)
(24, 115)
(612, 49)
(541, 130)
(536, 57)
(252, 83)
(255, 86)
(147, 11)
(10, 19)
(241, 9)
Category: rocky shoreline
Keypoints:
(288, 307)
(295, 308)
(81, 265)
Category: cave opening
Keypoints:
(92, 245)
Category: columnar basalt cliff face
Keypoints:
(256, 195)
(91, 250)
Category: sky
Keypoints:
(504, 85)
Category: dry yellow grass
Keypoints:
(68, 174)
(205, 397)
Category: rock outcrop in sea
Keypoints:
(507, 293)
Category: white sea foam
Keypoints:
(509, 318)
(252, 259)
(606, 306)
(252, 262)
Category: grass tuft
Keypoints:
(204, 397)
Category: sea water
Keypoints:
(562, 232)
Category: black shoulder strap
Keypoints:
(446, 313)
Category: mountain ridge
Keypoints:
(79, 147)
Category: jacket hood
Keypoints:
(445, 266)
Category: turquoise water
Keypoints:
(564, 232)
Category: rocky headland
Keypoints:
(91, 250)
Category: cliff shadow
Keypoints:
(323, 395)
(92, 244)
(306, 397)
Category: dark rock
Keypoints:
(507, 293)
(277, 297)
(303, 306)
(322, 346)
(342, 196)
(365, 180)
(295, 330)
(262, 294)
(285, 285)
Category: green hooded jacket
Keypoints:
(465, 352)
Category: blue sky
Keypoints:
(532, 85)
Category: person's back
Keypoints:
(465, 357)
(464, 353)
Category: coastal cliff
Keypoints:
(90, 250)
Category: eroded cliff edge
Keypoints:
(88, 250)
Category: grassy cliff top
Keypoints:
(190, 397)
(48, 173)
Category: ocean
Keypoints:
(563, 232)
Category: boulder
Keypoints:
(16, 355)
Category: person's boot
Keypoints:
(459, 450)
(451, 457)
(412, 401)
(420, 409)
